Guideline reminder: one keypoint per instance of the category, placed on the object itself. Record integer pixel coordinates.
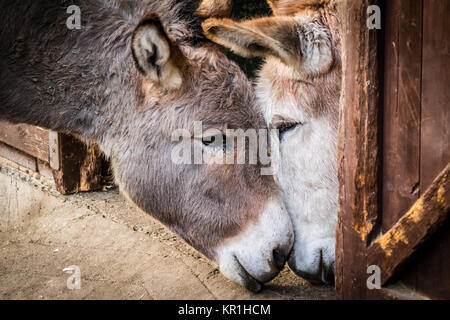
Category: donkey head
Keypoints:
(135, 74)
(229, 212)
(298, 90)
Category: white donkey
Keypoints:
(299, 88)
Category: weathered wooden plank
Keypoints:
(416, 142)
(394, 248)
(359, 157)
(54, 152)
(29, 139)
(435, 89)
(75, 166)
(45, 170)
(91, 169)
(395, 292)
(80, 166)
(433, 278)
(402, 105)
(17, 156)
(402, 113)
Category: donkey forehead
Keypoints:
(283, 96)
(287, 100)
(220, 92)
(217, 70)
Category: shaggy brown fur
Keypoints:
(85, 82)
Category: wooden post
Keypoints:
(359, 148)
(80, 166)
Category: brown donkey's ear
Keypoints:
(301, 43)
(215, 8)
(289, 7)
(155, 54)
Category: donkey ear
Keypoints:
(154, 54)
(302, 45)
(215, 8)
(289, 7)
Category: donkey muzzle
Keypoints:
(314, 261)
(258, 254)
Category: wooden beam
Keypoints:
(91, 170)
(359, 148)
(29, 139)
(80, 166)
(75, 166)
(54, 150)
(394, 248)
(18, 157)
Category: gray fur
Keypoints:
(85, 82)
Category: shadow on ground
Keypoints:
(122, 253)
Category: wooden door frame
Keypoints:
(359, 242)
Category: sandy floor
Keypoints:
(121, 252)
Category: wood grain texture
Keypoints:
(45, 170)
(393, 249)
(415, 149)
(402, 112)
(402, 108)
(80, 166)
(76, 167)
(417, 69)
(18, 157)
(433, 278)
(359, 158)
(29, 139)
(91, 169)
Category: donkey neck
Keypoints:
(81, 82)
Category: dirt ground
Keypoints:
(122, 253)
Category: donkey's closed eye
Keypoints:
(286, 127)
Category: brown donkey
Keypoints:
(135, 72)
(299, 90)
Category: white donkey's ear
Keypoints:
(303, 44)
(155, 54)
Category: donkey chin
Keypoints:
(314, 261)
(259, 252)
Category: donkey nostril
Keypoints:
(279, 259)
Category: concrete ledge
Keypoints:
(122, 253)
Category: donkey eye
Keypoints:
(214, 141)
(207, 141)
(286, 127)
